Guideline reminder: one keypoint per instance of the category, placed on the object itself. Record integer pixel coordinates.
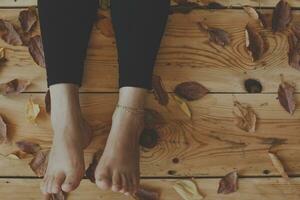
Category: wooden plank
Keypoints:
(249, 189)
(208, 145)
(185, 55)
(231, 3)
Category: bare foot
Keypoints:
(118, 168)
(71, 135)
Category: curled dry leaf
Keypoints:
(286, 96)
(254, 42)
(14, 87)
(229, 183)
(160, 93)
(28, 147)
(143, 194)
(183, 105)
(2, 55)
(191, 90)
(282, 16)
(48, 101)
(153, 119)
(149, 138)
(28, 18)
(245, 117)
(3, 131)
(278, 165)
(187, 189)
(9, 34)
(39, 163)
(216, 35)
(36, 50)
(90, 172)
(105, 26)
(32, 110)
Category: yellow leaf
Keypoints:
(183, 105)
(17, 155)
(32, 110)
(187, 189)
(2, 54)
(278, 166)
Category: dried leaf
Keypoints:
(278, 165)
(14, 87)
(191, 90)
(2, 55)
(296, 30)
(153, 119)
(159, 91)
(183, 7)
(229, 183)
(39, 163)
(149, 138)
(28, 18)
(3, 131)
(17, 155)
(183, 105)
(143, 194)
(251, 12)
(253, 86)
(48, 102)
(282, 16)
(36, 50)
(216, 35)
(28, 147)
(294, 55)
(254, 42)
(105, 26)
(32, 110)
(187, 189)
(214, 5)
(245, 117)
(286, 97)
(9, 34)
(90, 172)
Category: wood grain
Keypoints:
(208, 145)
(249, 189)
(185, 54)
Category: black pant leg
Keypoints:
(65, 29)
(139, 26)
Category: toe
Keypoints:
(58, 181)
(135, 183)
(103, 182)
(71, 183)
(44, 184)
(49, 185)
(124, 184)
(116, 182)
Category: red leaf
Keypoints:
(39, 163)
(14, 87)
(282, 16)
(286, 97)
(216, 35)
(9, 34)
(28, 18)
(36, 50)
(159, 91)
(3, 131)
(28, 147)
(229, 183)
(191, 90)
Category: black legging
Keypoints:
(66, 26)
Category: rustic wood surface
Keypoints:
(249, 189)
(185, 50)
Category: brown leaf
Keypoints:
(149, 138)
(229, 183)
(3, 131)
(256, 15)
(17, 155)
(153, 119)
(216, 35)
(9, 34)
(191, 90)
(254, 42)
(14, 87)
(245, 117)
(143, 194)
(105, 26)
(286, 96)
(159, 91)
(36, 50)
(2, 55)
(39, 163)
(294, 55)
(28, 147)
(48, 102)
(278, 165)
(28, 18)
(32, 110)
(296, 30)
(90, 172)
(282, 16)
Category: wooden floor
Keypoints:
(206, 147)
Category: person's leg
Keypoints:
(65, 29)
(139, 26)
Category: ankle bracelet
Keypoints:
(131, 109)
